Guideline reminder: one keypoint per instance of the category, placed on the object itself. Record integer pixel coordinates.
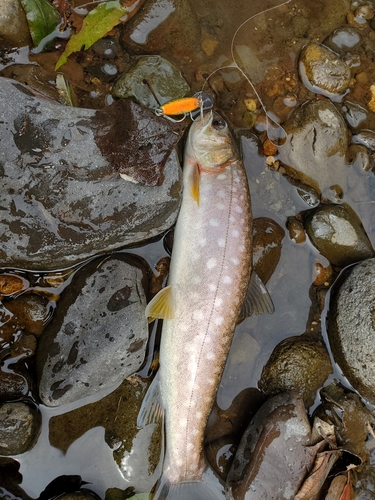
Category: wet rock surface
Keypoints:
(317, 145)
(13, 24)
(279, 433)
(337, 232)
(163, 77)
(62, 200)
(19, 428)
(99, 332)
(351, 326)
(323, 72)
(299, 363)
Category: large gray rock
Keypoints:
(351, 327)
(98, 335)
(62, 199)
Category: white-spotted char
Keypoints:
(209, 276)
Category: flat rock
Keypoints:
(99, 332)
(315, 152)
(62, 197)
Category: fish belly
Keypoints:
(209, 274)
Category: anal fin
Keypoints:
(151, 411)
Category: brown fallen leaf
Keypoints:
(136, 142)
(323, 464)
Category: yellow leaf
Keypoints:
(96, 25)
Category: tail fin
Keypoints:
(207, 489)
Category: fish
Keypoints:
(209, 278)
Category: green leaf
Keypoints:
(96, 24)
(41, 17)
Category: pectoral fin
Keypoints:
(257, 300)
(161, 306)
(195, 183)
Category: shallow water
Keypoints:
(270, 48)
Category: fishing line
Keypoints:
(281, 140)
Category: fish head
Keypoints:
(210, 143)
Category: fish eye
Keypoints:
(218, 124)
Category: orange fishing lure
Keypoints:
(186, 105)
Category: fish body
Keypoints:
(209, 276)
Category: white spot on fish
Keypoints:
(210, 356)
(221, 193)
(196, 279)
(218, 320)
(198, 314)
(241, 248)
(235, 233)
(220, 206)
(218, 301)
(211, 263)
(221, 177)
(212, 287)
(202, 242)
(235, 261)
(227, 280)
(232, 218)
(214, 222)
(238, 209)
(221, 242)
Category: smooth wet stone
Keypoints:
(267, 239)
(62, 197)
(315, 152)
(164, 78)
(365, 138)
(354, 114)
(278, 434)
(344, 39)
(337, 232)
(298, 363)
(351, 326)
(323, 72)
(14, 29)
(99, 332)
(29, 312)
(19, 428)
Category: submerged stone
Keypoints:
(315, 152)
(337, 232)
(273, 456)
(63, 199)
(164, 78)
(98, 335)
(351, 326)
(19, 428)
(297, 363)
(323, 72)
